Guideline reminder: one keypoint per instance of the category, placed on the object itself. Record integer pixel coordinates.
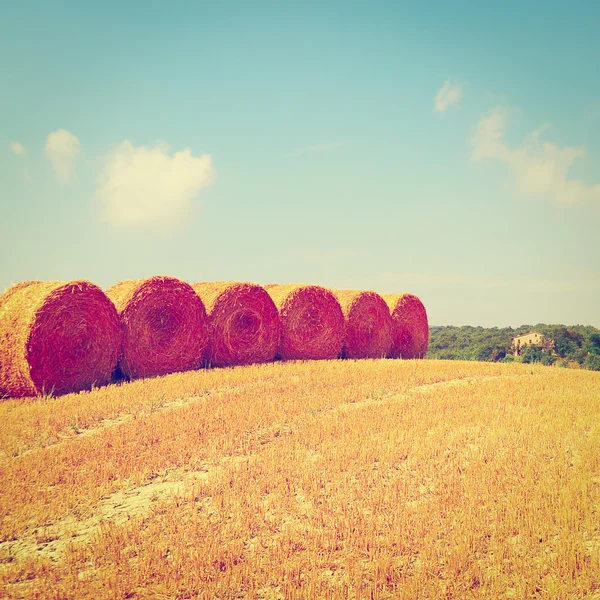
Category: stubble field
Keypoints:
(329, 479)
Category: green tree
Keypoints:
(568, 343)
(547, 357)
(592, 362)
(594, 343)
(477, 343)
(531, 354)
(498, 353)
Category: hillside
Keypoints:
(328, 479)
(576, 344)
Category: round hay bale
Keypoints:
(367, 324)
(410, 326)
(243, 323)
(56, 338)
(164, 326)
(312, 322)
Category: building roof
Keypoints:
(517, 337)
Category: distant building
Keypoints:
(533, 338)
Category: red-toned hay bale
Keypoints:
(164, 326)
(56, 338)
(368, 324)
(312, 322)
(243, 323)
(410, 329)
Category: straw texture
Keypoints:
(243, 323)
(410, 326)
(367, 324)
(164, 326)
(312, 322)
(56, 338)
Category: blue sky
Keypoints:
(449, 149)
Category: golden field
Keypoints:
(330, 479)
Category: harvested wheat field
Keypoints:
(312, 322)
(56, 338)
(329, 479)
(243, 323)
(164, 326)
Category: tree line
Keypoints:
(576, 345)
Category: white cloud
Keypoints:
(17, 148)
(62, 148)
(449, 95)
(540, 168)
(146, 187)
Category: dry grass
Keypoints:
(410, 326)
(329, 479)
(312, 322)
(243, 323)
(56, 338)
(164, 326)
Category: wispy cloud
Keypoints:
(320, 148)
(540, 168)
(149, 188)
(490, 300)
(17, 148)
(390, 282)
(524, 285)
(62, 148)
(448, 95)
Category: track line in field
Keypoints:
(129, 503)
(425, 387)
(148, 409)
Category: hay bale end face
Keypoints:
(368, 324)
(243, 323)
(312, 322)
(164, 326)
(410, 326)
(56, 338)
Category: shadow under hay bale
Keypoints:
(243, 323)
(410, 326)
(164, 326)
(312, 322)
(367, 326)
(56, 338)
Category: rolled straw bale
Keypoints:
(410, 326)
(367, 324)
(164, 326)
(56, 338)
(312, 322)
(243, 323)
